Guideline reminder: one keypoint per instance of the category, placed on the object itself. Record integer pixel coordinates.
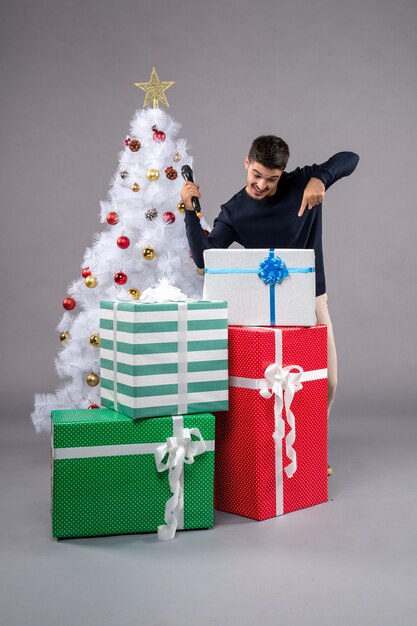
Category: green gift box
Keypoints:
(109, 478)
(163, 359)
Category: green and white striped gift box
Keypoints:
(163, 359)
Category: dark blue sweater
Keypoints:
(273, 222)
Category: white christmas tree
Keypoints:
(144, 241)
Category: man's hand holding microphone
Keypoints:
(190, 192)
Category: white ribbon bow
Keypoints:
(277, 380)
(163, 292)
(180, 450)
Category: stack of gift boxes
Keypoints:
(250, 353)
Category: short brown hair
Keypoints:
(269, 151)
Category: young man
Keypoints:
(270, 212)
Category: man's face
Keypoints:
(261, 181)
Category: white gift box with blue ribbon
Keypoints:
(263, 287)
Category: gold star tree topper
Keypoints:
(155, 90)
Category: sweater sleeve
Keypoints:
(222, 235)
(338, 166)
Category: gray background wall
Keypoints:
(325, 75)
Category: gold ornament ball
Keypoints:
(135, 293)
(181, 207)
(152, 174)
(148, 253)
(177, 157)
(65, 336)
(92, 380)
(95, 340)
(135, 187)
(91, 282)
(200, 270)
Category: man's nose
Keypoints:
(261, 183)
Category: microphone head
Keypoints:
(187, 173)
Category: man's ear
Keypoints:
(247, 162)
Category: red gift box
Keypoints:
(271, 445)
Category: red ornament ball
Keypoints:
(168, 217)
(69, 304)
(127, 141)
(112, 218)
(94, 406)
(120, 278)
(123, 242)
(206, 232)
(158, 135)
(86, 272)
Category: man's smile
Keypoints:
(259, 192)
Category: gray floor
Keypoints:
(351, 561)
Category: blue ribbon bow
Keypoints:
(272, 270)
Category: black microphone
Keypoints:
(187, 174)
